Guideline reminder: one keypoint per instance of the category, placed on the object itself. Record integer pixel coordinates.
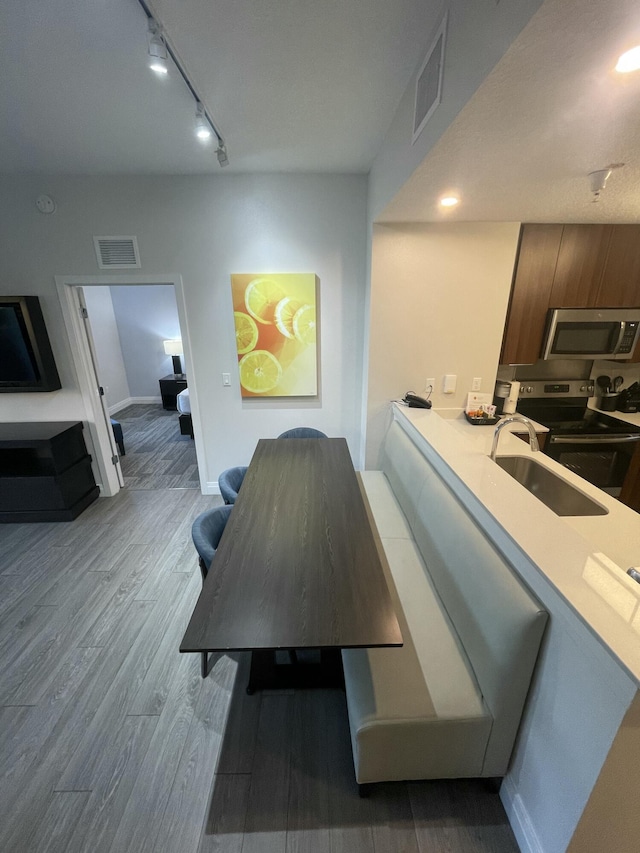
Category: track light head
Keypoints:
(157, 49)
(160, 50)
(203, 128)
(223, 159)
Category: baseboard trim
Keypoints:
(211, 488)
(519, 819)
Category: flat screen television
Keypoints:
(26, 359)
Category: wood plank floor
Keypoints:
(111, 741)
(157, 456)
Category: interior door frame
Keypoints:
(87, 378)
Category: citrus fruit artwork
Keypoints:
(276, 333)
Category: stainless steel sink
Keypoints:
(552, 490)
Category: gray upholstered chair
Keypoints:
(230, 481)
(302, 432)
(116, 426)
(206, 532)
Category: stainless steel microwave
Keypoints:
(610, 333)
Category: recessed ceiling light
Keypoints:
(449, 201)
(629, 61)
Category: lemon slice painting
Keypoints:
(246, 332)
(260, 371)
(304, 324)
(276, 332)
(285, 311)
(261, 297)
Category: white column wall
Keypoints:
(204, 229)
(439, 297)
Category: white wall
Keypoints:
(146, 316)
(439, 298)
(478, 34)
(104, 331)
(203, 228)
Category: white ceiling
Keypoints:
(293, 85)
(552, 111)
(312, 85)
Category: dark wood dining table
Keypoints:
(297, 567)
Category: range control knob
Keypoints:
(527, 389)
(588, 388)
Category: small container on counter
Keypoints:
(608, 402)
(629, 399)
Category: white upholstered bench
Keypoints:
(448, 703)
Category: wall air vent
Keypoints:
(429, 81)
(117, 253)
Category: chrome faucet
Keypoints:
(533, 438)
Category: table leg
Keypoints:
(267, 674)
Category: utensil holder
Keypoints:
(608, 402)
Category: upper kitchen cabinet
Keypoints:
(579, 267)
(530, 293)
(568, 266)
(620, 283)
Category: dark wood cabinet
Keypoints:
(541, 436)
(45, 472)
(620, 282)
(630, 492)
(170, 387)
(568, 266)
(579, 267)
(530, 293)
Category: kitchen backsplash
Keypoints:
(562, 369)
(570, 368)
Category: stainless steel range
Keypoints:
(595, 446)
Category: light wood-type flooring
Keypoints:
(156, 455)
(111, 741)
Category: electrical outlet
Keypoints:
(429, 385)
(476, 383)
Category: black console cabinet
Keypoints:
(45, 472)
(170, 387)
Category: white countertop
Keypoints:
(458, 416)
(584, 558)
(628, 418)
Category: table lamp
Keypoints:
(174, 349)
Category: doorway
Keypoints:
(100, 435)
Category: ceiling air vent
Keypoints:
(429, 81)
(117, 253)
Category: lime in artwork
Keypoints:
(276, 333)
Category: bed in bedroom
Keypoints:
(184, 407)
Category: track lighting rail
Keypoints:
(201, 108)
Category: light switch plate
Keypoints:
(226, 379)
